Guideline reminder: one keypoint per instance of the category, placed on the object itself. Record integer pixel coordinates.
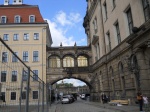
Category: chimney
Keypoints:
(6, 2)
(17, 2)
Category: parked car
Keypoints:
(83, 96)
(71, 98)
(65, 99)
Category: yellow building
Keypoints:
(24, 30)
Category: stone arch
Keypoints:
(69, 54)
(58, 79)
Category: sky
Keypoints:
(65, 18)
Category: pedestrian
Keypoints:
(146, 103)
(103, 97)
(140, 100)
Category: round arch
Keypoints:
(87, 83)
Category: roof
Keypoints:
(24, 11)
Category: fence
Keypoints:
(21, 90)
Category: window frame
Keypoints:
(17, 19)
(109, 40)
(4, 57)
(105, 10)
(25, 56)
(118, 32)
(35, 96)
(26, 36)
(23, 95)
(5, 19)
(13, 94)
(16, 37)
(6, 37)
(36, 36)
(35, 56)
(14, 58)
(32, 20)
(146, 8)
(14, 76)
(35, 75)
(3, 78)
(130, 20)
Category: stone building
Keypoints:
(119, 34)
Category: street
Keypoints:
(81, 106)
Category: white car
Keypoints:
(65, 99)
(83, 96)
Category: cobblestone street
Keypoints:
(86, 106)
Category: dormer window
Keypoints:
(31, 18)
(3, 19)
(17, 19)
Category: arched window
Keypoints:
(54, 61)
(82, 61)
(68, 62)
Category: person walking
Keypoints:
(140, 100)
(146, 103)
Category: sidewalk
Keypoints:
(53, 107)
(124, 108)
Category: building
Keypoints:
(24, 30)
(119, 34)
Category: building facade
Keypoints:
(119, 34)
(24, 30)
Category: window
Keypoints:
(118, 32)
(13, 95)
(105, 10)
(35, 56)
(4, 57)
(14, 58)
(31, 18)
(24, 95)
(16, 37)
(35, 75)
(95, 25)
(25, 75)
(35, 95)
(17, 19)
(14, 76)
(146, 9)
(3, 96)
(36, 36)
(82, 61)
(26, 36)
(109, 41)
(54, 61)
(130, 21)
(68, 62)
(3, 19)
(5, 37)
(25, 56)
(3, 76)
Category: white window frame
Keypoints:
(26, 36)
(4, 20)
(35, 76)
(36, 57)
(18, 19)
(30, 18)
(13, 57)
(27, 56)
(36, 36)
(16, 37)
(14, 74)
(6, 39)
(5, 57)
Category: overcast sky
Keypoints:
(65, 18)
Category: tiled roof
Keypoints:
(24, 11)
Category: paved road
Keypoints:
(81, 106)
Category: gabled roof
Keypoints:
(24, 11)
